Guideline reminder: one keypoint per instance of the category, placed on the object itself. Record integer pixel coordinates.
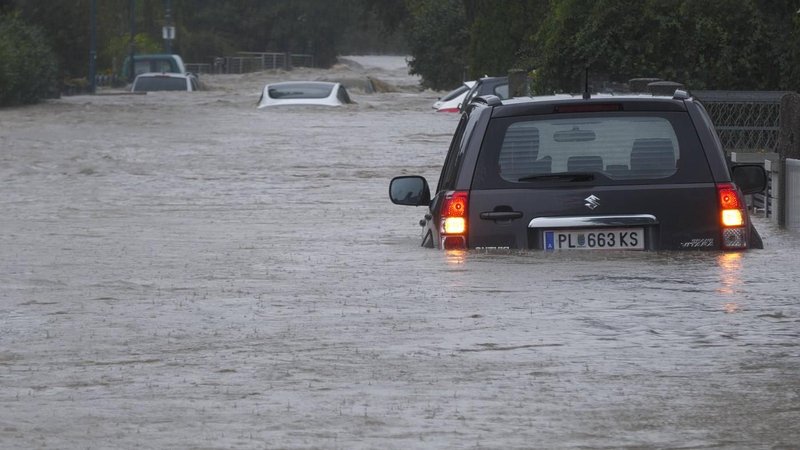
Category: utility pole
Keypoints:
(93, 47)
(168, 32)
(132, 43)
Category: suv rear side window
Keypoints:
(614, 148)
(160, 83)
(447, 179)
(501, 90)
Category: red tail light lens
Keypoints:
(728, 196)
(453, 226)
(455, 204)
(450, 110)
(732, 216)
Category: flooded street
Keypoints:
(181, 270)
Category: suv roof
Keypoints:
(642, 100)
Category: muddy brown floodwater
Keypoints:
(184, 271)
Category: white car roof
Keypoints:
(330, 100)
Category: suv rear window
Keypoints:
(300, 90)
(160, 83)
(614, 147)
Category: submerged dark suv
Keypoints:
(575, 173)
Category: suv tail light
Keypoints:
(453, 225)
(733, 216)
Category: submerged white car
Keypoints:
(450, 101)
(304, 93)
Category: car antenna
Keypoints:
(586, 94)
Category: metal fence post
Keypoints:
(518, 83)
(788, 146)
(93, 47)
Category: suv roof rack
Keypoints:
(491, 100)
(680, 94)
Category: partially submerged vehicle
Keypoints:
(161, 81)
(152, 63)
(321, 93)
(591, 172)
(451, 101)
(497, 86)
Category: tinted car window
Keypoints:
(454, 93)
(142, 67)
(622, 148)
(501, 91)
(300, 90)
(162, 66)
(342, 95)
(449, 169)
(145, 84)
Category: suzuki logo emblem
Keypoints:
(592, 202)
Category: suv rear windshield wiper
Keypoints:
(564, 176)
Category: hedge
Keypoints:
(28, 69)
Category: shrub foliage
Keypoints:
(28, 72)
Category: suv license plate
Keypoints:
(600, 239)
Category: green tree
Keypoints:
(210, 28)
(308, 26)
(65, 24)
(438, 41)
(498, 31)
(782, 29)
(713, 44)
(28, 72)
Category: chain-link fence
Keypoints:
(746, 121)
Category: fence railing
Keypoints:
(199, 68)
(763, 127)
(746, 121)
(245, 62)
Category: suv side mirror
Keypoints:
(410, 190)
(750, 178)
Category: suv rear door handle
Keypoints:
(501, 215)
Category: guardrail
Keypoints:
(199, 68)
(245, 62)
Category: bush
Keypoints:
(438, 41)
(28, 72)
